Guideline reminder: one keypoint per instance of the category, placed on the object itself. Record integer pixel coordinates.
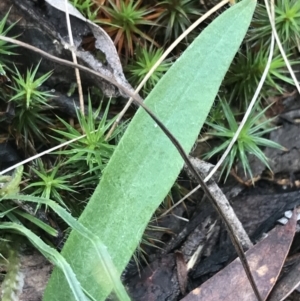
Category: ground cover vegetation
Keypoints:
(141, 31)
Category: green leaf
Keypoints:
(145, 164)
(37, 222)
(102, 262)
(52, 255)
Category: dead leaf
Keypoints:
(265, 260)
(286, 285)
(181, 271)
(103, 43)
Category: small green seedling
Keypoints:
(248, 142)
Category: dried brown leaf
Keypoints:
(265, 260)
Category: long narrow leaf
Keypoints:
(145, 164)
(104, 265)
(53, 256)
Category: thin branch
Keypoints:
(50, 150)
(203, 169)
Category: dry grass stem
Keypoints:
(78, 79)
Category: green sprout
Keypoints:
(30, 105)
(51, 184)
(175, 16)
(246, 71)
(86, 7)
(145, 58)
(124, 21)
(287, 22)
(28, 92)
(248, 142)
(92, 152)
(30, 123)
(5, 48)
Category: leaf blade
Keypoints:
(145, 163)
